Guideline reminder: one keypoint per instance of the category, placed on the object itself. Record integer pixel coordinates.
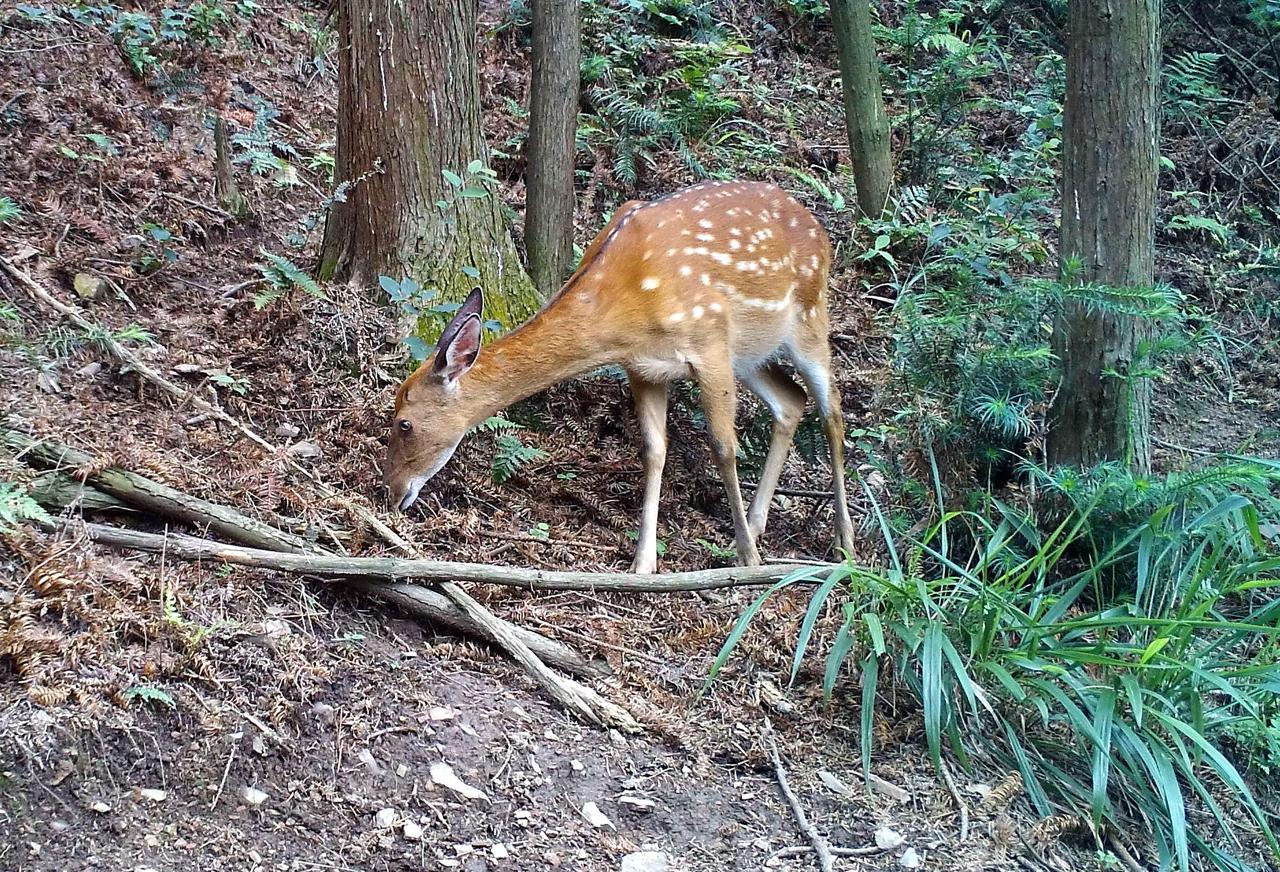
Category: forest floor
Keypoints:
(195, 716)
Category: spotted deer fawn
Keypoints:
(710, 282)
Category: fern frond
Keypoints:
(510, 454)
(284, 275)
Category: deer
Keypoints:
(718, 282)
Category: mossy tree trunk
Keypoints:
(553, 122)
(408, 112)
(1110, 165)
(865, 118)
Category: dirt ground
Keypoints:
(172, 716)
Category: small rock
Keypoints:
(499, 851)
(287, 431)
(576, 766)
(100, 807)
(618, 740)
(595, 816)
(412, 831)
(88, 286)
(402, 770)
(305, 450)
(441, 713)
(833, 783)
(89, 370)
(253, 795)
(637, 802)
(276, 628)
(442, 774)
(186, 368)
(909, 859)
(133, 240)
(152, 794)
(259, 746)
(385, 819)
(646, 861)
(888, 838)
(366, 757)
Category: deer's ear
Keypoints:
(455, 352)
(455, 358)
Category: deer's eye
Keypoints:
(404, 425)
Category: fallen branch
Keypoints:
(820, 846)
(392, 569)
(139, 492)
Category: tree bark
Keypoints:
(409, 111)
(550, 153)
(865, 118)
(1110, 164)
(224, 174)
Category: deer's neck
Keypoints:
(550, 348)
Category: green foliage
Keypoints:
(282, 276)
(1115, 702)
(157, 249)
(477, 182)
(150, 694)
(936, 64)
(418, 304)
(10, 211)
(684, 108)
(510, 455)
(264, 151)
(17, 506)
(1191, 89)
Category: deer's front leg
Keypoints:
(720, 403)
(651, 409)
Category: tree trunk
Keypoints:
(864, 114)
(1110, 163)
(408, 113)
(553, 122)
(224, 175)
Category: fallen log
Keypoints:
(393, 569)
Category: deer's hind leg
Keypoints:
(811, 354)
(785, 400)
(719, 403)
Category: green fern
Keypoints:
(1214, 229)
(150, 694)
(1191, 85)
(283, 275)
(510, 455)
(9, 211)
(17, 506)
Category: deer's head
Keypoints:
(432, 414)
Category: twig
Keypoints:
(1122, 851)
(820, 846)
(226, 770)
(958, 800)
(797, 850)
(212, 210)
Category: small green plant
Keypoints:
(510, 455)
(429, 317)
(476, 183)
(157, 250)
(282, 276)
(17, 506)
(10, 211)
(720, 552)
(150, 694)
(634, 536)
(540, 531)
(237, 386)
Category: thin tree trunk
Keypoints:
(408, 113)
(553, 122)
(865, 118)
(1110, 164)
(224, 176)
